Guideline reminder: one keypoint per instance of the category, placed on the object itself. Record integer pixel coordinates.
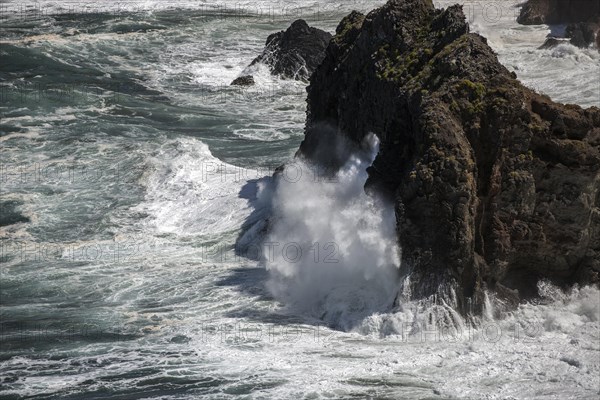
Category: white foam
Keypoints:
(261, 8)
(331, 250)
(190, 192)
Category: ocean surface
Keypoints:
(136, 186)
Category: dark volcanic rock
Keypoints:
(551, 43)
(583, 17)
(245, 80)
(296, 52)
(495, 186)
(582, 34)
(536, 12)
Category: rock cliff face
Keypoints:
(294, 53)
(494, 186)
(537, 12)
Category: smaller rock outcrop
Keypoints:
(582, 17)
(244, 80)
(582, 34)
(294, 53)
(579, 34)
(538, 12)
(551, 43)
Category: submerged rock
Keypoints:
(296, 52)
(245, 80)
(495, 186)
(551, 43)
(10, 214)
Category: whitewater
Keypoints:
(160, 252)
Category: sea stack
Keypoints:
(495, 186)
(294, 53)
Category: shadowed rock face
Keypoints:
(583, 17)
(292, 54)
(582, 34)
(494, 185)
(296, 52)
(537, 12)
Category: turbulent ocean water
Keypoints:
(136, 187)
